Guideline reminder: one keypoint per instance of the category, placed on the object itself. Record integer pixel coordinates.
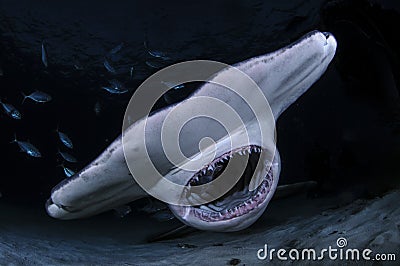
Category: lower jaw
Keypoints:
(246, 207)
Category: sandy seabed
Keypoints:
(27, 237)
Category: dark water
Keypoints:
(343, 133)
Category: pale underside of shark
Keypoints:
(106, 183)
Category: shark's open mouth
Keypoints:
(239, 200)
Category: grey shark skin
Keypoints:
(106, 183)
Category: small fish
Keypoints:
(158, 54)
(131, 72)
(113, 90)
(37, 96)
(78, 67)
(109, 67)
(116, 87)
(117, 48)
(11, 111)
(172, 85)
(154, 64)
(44, 55)
(97, 108)
(68, 157)
(65, 139)
(68, 172)
(27, 147)
(117, 84)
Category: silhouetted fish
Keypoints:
(172, 85)
(65, 139)
(158, 54)
(97, 108)
(44, 55)
(68, 172)
(154, 64)
(116, 87)
(68, 157)
(27, 147)
(37, 96)
(10, 110)
(109, 67)
(117, 48)
(114, 90)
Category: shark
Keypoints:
(107, 182)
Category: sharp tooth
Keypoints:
(210, 168)
(230, 156)
(249, 150)
(196, 178)
(204, 171)
(240, 152)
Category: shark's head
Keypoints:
(282, 81)
(282, 76)
(240, 206)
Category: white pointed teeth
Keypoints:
(224, 159)
(248, 150)
(217, 165)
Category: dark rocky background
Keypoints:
(343, 133)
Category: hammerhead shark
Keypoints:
(108, 182)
